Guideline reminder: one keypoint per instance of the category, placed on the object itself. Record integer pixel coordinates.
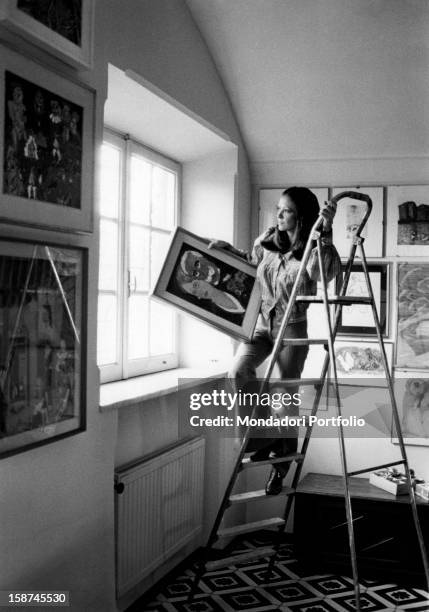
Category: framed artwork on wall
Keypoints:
(47, 153)
(358, 319)
(361, 361)
(268, 200)
(412, 397)
(42, 343)
(348, 217)
(211, 284)
(64, 28)
(412, 347)
(408, 221)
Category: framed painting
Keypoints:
(42, 344)
(211, 284)
(64, 28)
(268, 200)
(408, 221)
(361, 362)
(349, 215)
(412, 397)
(358, 319)
(47, 154)
(412, 346)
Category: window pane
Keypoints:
(140, 181)
(110, 180)
(108, 277)
(158, 250)
(162, 329)
(138, 337)
(107, 331)
(163, 198)
(139, 263)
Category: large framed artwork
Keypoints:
(268, 200)
(412, 347)
(42, 343)
(47, 152)
(358, 319)
(349, 215)
(210, 284)
(412, 397)
(408, 221)
(63, 28)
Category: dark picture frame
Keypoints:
(47, 155)
(212, 285)
(356, 320)
(43, 313)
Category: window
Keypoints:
(138, 210)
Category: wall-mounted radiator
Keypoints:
(158, 510)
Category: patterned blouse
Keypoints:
(277, 273)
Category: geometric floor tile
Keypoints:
(330, 585)
(259, 575)
(249, 600)
(290, 592)
(180, 587)
(317, 606)
(400, 596)
(421, 608)
(223, 581)
(367, 603)
(205, 604)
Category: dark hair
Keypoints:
(307, 211)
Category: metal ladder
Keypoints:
(245, 463)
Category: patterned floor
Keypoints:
(245, 587)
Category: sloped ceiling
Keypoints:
(323, 79)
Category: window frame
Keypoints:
(124, 367)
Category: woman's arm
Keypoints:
(254, 257)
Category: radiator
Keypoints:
(159, 505)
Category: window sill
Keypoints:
(127, 393)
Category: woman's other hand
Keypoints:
(328, 214)
(219, 244)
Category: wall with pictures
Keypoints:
(57, 503)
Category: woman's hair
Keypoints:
(307, 211)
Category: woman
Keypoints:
(278, 253)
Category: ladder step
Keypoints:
(345, 300)
(249, 527)
(301, 341)
(376, 467)
(256, 553)
(248, 463)
(241, 498)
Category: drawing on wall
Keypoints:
(412, 397)
(62, 16)
(413, 316)
(41, 343)
(361, 360)
(42, 144)
(408, 220)
(214, 285)
(348, 218)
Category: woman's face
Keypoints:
(286, 214)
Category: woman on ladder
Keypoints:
(277, 253)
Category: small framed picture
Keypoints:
(412, 346)
(47, 153)
(412, 398)
(42, 343)
(358, 319)
(362, 361)
(268, 200)
(349, 216)
(211, 284)
(64, 28)
(408, 221)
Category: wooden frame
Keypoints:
(358, 319)
(47, 156)
(211, 284)
(30, 21)
(43, 304)
(408, 221)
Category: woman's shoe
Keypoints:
(275, 481)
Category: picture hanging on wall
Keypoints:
(361, 360)
(63, 28)
(358, 319)
(408, 221)
(412, 397)
(412, 347)
(46, 160)
(348, 217)
(211, 284)
(42, 344)
(268, 200)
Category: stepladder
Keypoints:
(329, 379)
